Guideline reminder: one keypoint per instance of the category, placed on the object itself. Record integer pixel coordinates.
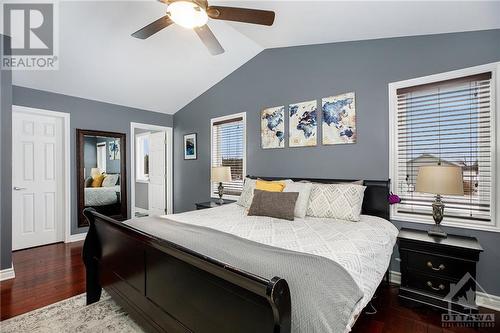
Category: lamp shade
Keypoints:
(94, 172)
(439, 179)
(221, 174)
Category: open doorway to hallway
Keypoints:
(151, 191)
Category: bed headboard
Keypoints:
(375, 201)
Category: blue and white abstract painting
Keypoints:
(302, 122)
(272, 127)
(339, 119)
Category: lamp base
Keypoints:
(221, 193)
(437, 231)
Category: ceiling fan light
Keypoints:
(187, 14)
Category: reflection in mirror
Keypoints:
(100, 176)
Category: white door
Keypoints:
(37, 179)
(157, 170)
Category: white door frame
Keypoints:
(66, 224)
(169, 153)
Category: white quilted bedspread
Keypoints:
(363, 248)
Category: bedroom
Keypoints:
(207, 101)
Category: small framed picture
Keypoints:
(190, 149)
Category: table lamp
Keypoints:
(219, 175)
(94, 172)
(439, 180)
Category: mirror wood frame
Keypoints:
(80, 180)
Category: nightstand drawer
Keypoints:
(429, 284)
(438, 266)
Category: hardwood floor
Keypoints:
(51, 273)
(44, 275)
(392, 317)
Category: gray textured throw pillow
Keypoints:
(280, 205)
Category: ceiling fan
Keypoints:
(194, 14)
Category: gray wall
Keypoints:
(89, 154)
(6, 157)
(141, 195)
(92, 115)
(287, 75)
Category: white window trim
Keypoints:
(494, 224)
(212, 121)
(139, 151)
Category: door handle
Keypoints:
(19, 188)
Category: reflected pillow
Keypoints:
(97, 181)
(88, 181)
(110, 180)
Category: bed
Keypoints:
(167, 285)
(102, 196)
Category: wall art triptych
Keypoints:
(302, 124)
(339, 119)
(272, 127)
(338, 123)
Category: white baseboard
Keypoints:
(482, 299)
(141, 210)
(395, 277)
(76, 237)
(7, 274)
(488, 301)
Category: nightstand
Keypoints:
(439, 272)
(211, 204)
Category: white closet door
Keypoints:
(157, 174)
(37, 180)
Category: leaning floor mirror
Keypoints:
(101, 174)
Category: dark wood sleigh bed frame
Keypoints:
(165, 287)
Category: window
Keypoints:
(101, 156)
(142, 157)
(446, 119)
(229, 149)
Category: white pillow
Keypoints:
(246, 196)
(340, 201)
(304, 190)
(110, 180)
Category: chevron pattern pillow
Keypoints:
(339, 201)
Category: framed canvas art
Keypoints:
(339, 119)
(190, 148)
(302, 123)
(272, 127)
(114, 149)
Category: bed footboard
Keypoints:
(168, 288)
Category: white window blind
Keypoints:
(447, 123)
(228, 149)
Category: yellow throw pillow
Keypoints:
(269, 186)
(97, 181)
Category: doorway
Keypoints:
(151, 170)
(40, 177)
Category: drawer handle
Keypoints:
(440, 287)
(441, 267)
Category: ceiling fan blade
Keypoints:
(208, 38)
(153, 28)
(246, 15)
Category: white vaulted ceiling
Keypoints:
(100, 60)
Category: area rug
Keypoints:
(72, 315)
